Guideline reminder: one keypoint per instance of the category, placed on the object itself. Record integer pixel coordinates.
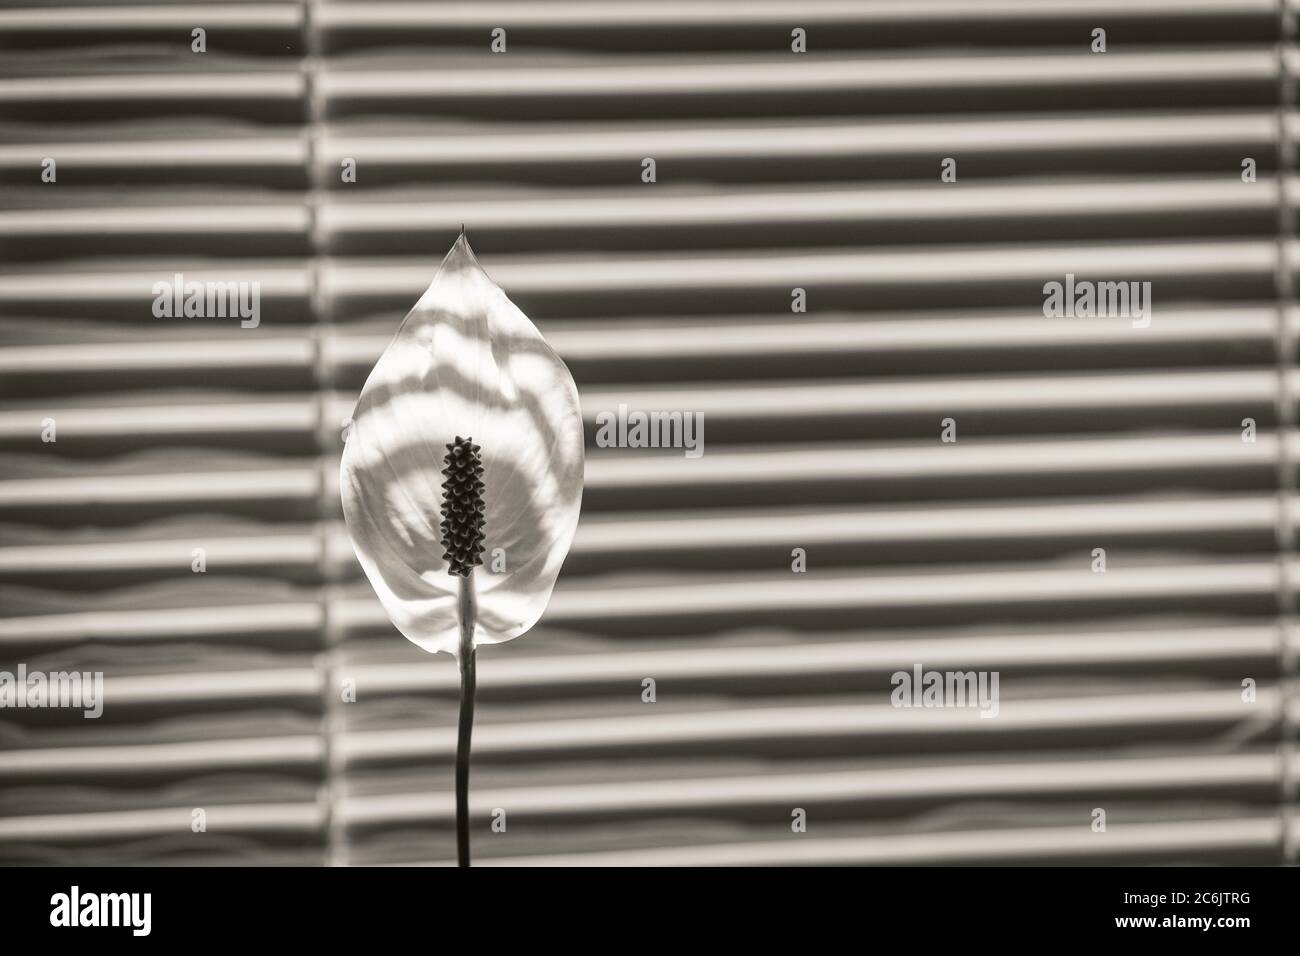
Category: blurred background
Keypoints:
(775, 171)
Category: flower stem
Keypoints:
(465, 656)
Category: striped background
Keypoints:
(775, 170)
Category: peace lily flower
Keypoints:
(466, 445)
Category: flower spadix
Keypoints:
(467, 370)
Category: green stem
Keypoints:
(468, 614)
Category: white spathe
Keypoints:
(465, 361)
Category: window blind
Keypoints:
(268, 689)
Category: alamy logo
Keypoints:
(36, 689)
(635, 429)
(918, 688)
(208, 300)
(1085, 299)
(74, 908)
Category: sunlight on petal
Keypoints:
(465, 362)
